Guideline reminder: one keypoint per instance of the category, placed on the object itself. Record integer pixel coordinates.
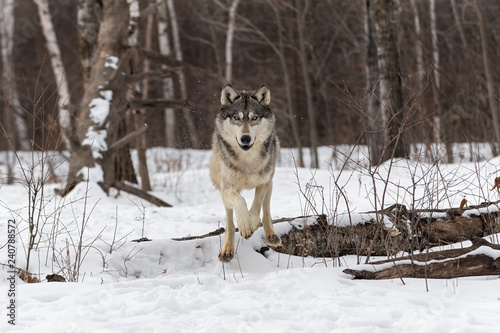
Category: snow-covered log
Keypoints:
(390, 231)
(482, 258)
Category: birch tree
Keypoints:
(440, 124)
(64, 116)
(229, 40)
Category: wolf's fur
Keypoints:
(245, 150)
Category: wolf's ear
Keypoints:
(263, 95)
(228, 95)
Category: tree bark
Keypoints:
(138, 114)
(140, 146)
(102, 106)
(195, 143)
(64, 116)
(311, 113)
(88, 27)
(411, 231)
(141, 194)
(490, 85)
(375, 134)
(288, 88)
(482, 258)
(19, 137)
(229, 40)
(440, 123)
(391, 94)
(168, 83)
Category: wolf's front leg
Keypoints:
(227, 252)
(233, 200)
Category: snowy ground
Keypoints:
(171, 286)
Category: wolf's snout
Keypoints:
(245, 139)
(245, 142)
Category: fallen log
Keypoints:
(140, 193)
(400, 230)
(482, 258)
(392, 230)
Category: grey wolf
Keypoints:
(245, 149)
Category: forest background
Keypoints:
(314, 55)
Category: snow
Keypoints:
(180, 286)
(99, 107)
(111, 61)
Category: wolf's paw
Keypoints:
(246, 234)
(245, 225)
(273, 240)
(226, 255)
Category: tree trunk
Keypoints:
(19, 137)
(229, 40)
(88, 27)
(140, 141)
(440, 123)
(168, 83)
(64, 115)
(391, 94)
(419, 52)
(103, 103)
(288, 88)
(375, 134)
(490, 85)
(311, 114)
(140, 146)
(195, 143)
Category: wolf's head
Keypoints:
(245, 115)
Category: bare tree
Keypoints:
(88, 27)
(440, 123)
(140, 142)
(375, 134)
(10, 94)
(168, 83)
(229, 40)
(280, 52)
(195, 143)
(419, 52)
(64, 116)
(391, 94)
(301, 11)
(489, 78)
(102, 106)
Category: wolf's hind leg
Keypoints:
(271, 237)
(227, 252)
(260, 194)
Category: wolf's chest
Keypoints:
(248, 180)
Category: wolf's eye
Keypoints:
(254, 118)
(236, 118)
